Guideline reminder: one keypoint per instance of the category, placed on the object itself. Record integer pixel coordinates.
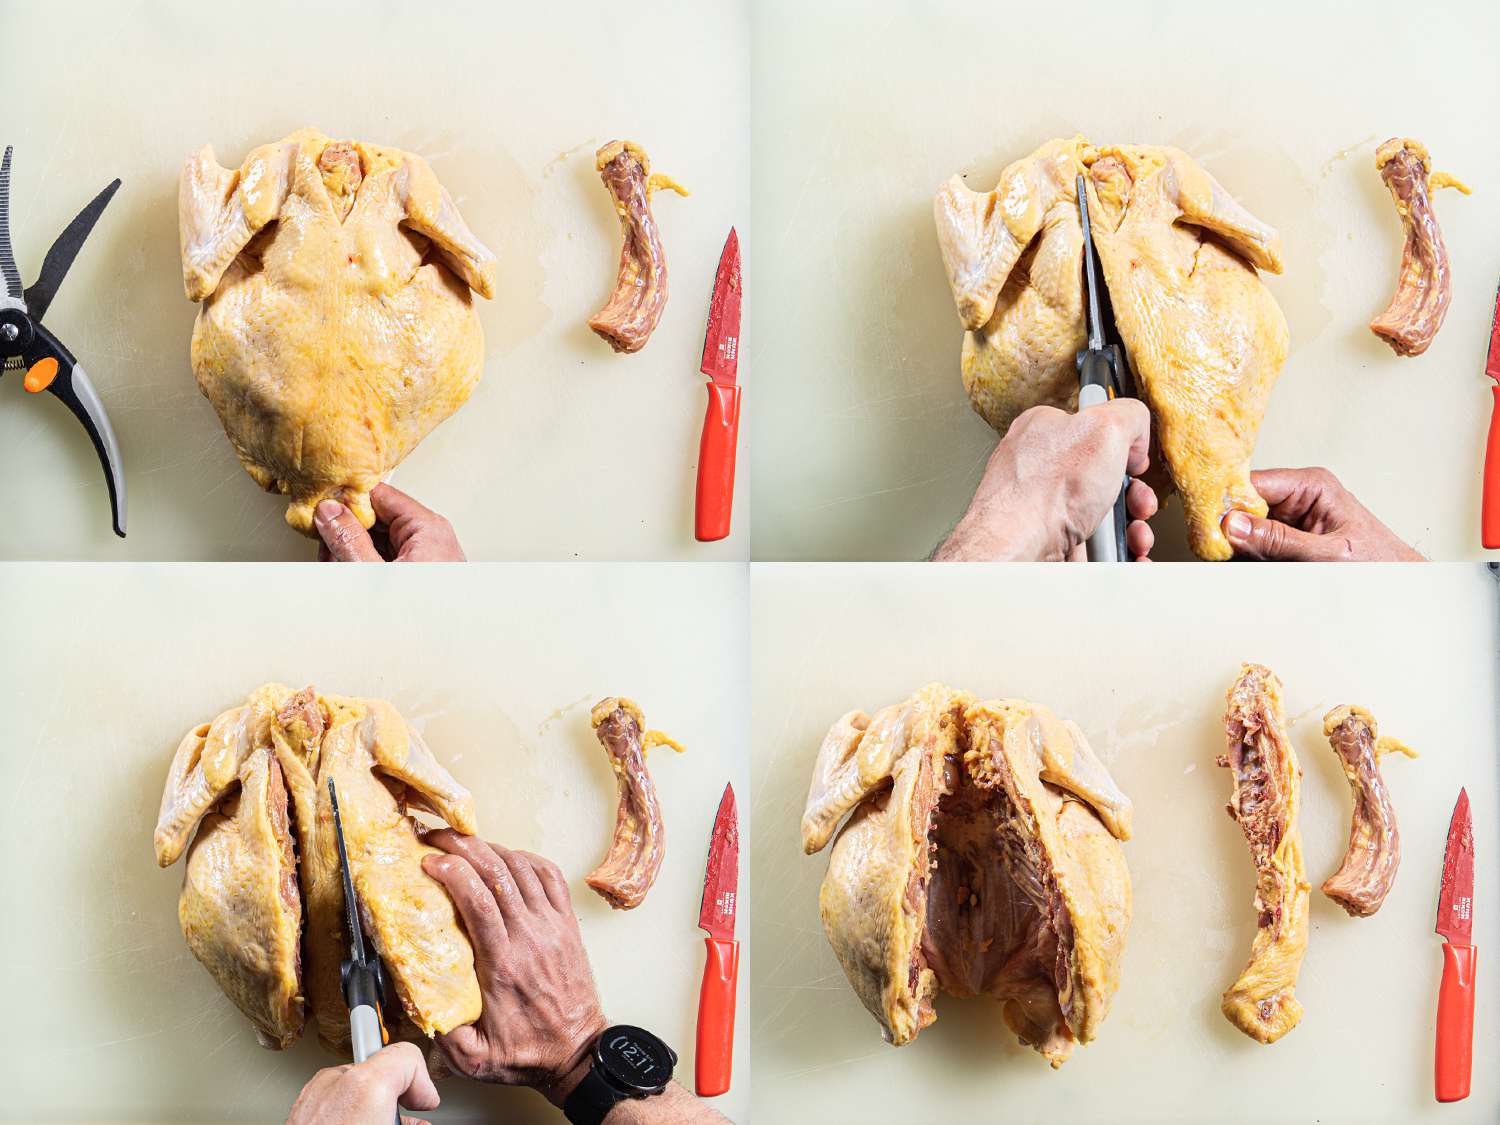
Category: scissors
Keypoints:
(25, 345)
(1102, 375)
(361, 973)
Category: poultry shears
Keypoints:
(26, 345)
(1102, 375)
(361, 973)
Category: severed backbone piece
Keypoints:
(335, 329)
(639, 843)
(1204, 337)
(631, 314)
(262, 903)
(1425, 285)
(1267, 792)
(981, 856)
(1369, 868)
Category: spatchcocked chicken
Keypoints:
(262, 903)
(336, 327)
(1204, 337)
(1266, 799)
(980, 857)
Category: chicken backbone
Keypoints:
(262, 903)
(335, 329)
(981, 857)
(1204, 337)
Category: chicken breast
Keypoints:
(335, 328)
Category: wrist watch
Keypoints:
(626, 1062)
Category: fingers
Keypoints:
(526, 879)
(1134, 421)
(400, 1072)
(477, 904)
(342, 534)
(1140, 501)
(553, 884)
(391, 504)
(417, 533)
(1299, 488)
(1272, 540)
(1139, 539)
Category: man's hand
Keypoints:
(1050, 482)
(368, 1091)
(404, 531)
(1313, 518)
(541, 1013)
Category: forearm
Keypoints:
(673, 1106)
(990, 533)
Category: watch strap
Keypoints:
(592, 1099)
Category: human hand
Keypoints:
(368, 1091)
(541, 1012)
(1050, 482)
(1313, 518)
(404, 531)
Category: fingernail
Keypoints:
(327, 510)
(1238, 525)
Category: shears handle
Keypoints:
(51, 367)
(1107, 543)
(366, 1036)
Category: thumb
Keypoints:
(342, 534)
(1273, 541)
(399, 1071)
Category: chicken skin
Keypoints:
(336, 327)
(267, 918)
(1204, 338)
(980, 857)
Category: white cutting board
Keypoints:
(1143, 668)
(103, 670)
(866, 445)
(565, 450)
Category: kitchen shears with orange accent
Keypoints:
(25, 345)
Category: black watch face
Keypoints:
(635, 1059)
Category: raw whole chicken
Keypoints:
(980, 857)
(336, 327)
(1203, 336)
(255, 780)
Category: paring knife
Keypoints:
(361, 973)
(715, 1054)
(721, 423)
(1100, 378)
(1455, 922)
(1489, 522)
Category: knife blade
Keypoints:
(361, 974)
(714, 1059)
(1099, 380)
(1489, 521)
(721, 422)
(1455, 922)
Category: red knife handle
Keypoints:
(1455, 1023)
(1489, 524)
(715, 1055)
(721, 432)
